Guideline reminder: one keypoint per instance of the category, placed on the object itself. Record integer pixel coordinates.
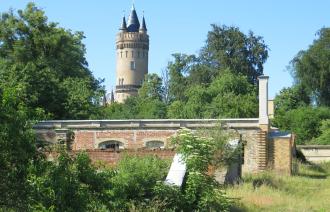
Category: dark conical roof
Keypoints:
(133, 21)
(123, 24)
(143, 26)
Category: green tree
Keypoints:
(177, 71)
(232, 97)
(151, 87)
(17, 141)
(305, 122)
(201, 192)
(311, 68)
(135, 179)
(324, 138)
(69, 184)
(48, 62)
(291, 98)
(147, 104)
(228, 47)
(175, 110)
(198, 98)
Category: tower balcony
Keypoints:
(127, 88)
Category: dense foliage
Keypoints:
(219, 82)
(48, 63)
(228, 47)
(311, 68)
(305, 122)
(201, 191)
(17, 149)
(304, 108)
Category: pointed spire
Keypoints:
(104, 100)
(143, 26)
(123, 24)
(112, 97)
(133, 21)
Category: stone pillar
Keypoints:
(263, 103)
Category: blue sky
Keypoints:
(182, 25)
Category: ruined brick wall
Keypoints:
(250, 159)
(111, 157)
(280, 154)
(94, 135)
(131, 139)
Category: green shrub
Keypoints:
(68, 184)
(200, 191)
(324, 138)
(136, 178)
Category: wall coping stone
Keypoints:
(147, 123)
(313, 146)
(279, 134)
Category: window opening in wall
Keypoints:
(121, 54)
(133, 65)
(132, 54)
(115, 145)
(155, 144)
(121, 81)
(126, 53)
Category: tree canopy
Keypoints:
(48, 62)
(311, 68)
(228, 47)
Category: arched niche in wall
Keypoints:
(111, 144)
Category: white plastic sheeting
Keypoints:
(177, 171)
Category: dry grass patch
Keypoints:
(308, 190)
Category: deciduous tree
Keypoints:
(228, 47)
(48, 62)
(311, 68)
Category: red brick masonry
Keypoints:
(111, 157)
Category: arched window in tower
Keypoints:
(126, 53)
(133, 65)
(132, 54)
(121, 54)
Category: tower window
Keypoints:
(132, 54)
(121, 54)
(133, 65)
(126, 53)
(121, 81)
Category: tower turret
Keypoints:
(143, 27)
(132, 44)
(123, 26)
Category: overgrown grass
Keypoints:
(308, 190)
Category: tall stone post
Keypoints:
(263, 103)
(262, 158)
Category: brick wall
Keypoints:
(112, 157)
(131, 139)
(250, 140)
(280, 155)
